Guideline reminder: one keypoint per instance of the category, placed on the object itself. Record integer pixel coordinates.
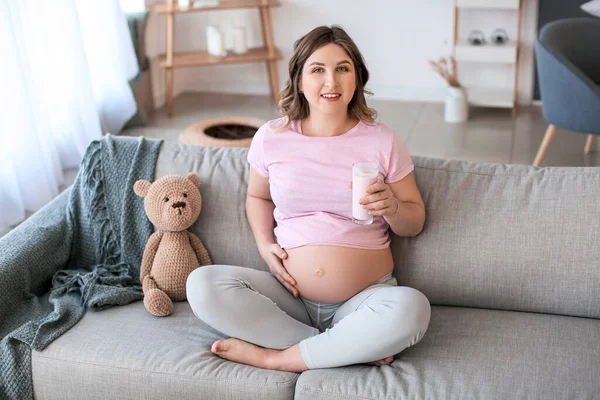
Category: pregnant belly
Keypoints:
(333, 274)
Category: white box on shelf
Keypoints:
(505, 4)
(493, 53)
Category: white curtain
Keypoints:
(64, 72)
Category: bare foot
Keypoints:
(385, 361)
(247, 353)
(242, 352)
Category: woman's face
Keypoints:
(328, 79)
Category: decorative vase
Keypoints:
(183, 4)
(456, 105)
(240, 42)
(215, 43)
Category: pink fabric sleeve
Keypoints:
(256, 153)
(400, 163)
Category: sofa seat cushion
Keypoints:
(127, 353)
(470, 353)
(505, 237)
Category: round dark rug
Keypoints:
(222, 132)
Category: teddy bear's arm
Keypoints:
(149, 253)
(201, 252)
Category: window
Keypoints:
(133, 6)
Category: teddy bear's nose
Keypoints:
(178, 204)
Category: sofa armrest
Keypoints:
(29, 256)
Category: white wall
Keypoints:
(396, 38)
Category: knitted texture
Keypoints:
(83, 250)
(173, 204)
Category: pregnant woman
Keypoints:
(330, 298)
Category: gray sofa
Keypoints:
(509, 259)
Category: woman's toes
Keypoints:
(385, 361)
(218, 346)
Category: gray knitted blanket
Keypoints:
(83, 250)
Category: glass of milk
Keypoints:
(364, 174)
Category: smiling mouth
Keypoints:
(331, 95)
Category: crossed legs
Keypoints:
(270, 328)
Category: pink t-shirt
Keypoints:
(309, 177)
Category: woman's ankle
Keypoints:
(289, 360)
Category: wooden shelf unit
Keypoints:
(163, 8)
(491, 53)
(507, 53)
(171, 60)
(200, 58)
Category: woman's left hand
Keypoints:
(380, 200)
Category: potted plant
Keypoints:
(456, 108)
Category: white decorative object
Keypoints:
(240, 43)
(456, 105)
(592, 7)
(215, 43)
(183, 4)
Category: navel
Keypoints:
(320, 272)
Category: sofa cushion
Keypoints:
(471, 353)
(127, 353)
(222, 225)
(511, 237)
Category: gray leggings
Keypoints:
(252, 305)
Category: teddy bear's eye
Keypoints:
(166, 199)
(185, 195)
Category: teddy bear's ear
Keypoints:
(141, 187)
(194, 178)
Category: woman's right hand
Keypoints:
(274, 255)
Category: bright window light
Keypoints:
(133, 6)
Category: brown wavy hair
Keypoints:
(294, 105)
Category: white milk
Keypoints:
(364, 174)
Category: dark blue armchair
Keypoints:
(568, 62)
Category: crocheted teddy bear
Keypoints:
(172, 204)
